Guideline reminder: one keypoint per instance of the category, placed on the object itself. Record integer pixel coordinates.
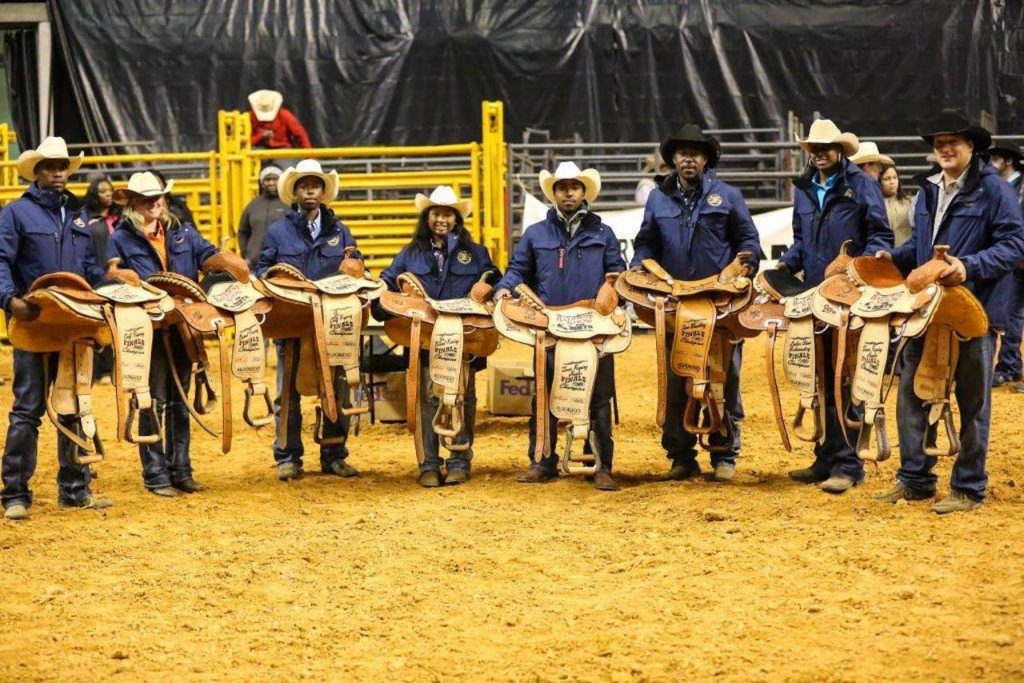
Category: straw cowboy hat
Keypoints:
(567, 170)
(825, 132)
(949, 122)
(304, 169)
(143, 184)
(868, 152)
(50, 148)
(444, 195)
(692, 135)
(265, 104)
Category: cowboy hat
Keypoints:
(144, 184)
(567, 170)
(444, 195)
(868, 152)
(1007, 149)
(950, 122)
(691, 134)
(50, 148)
(825, 132)
(304, 169)
(265, 104)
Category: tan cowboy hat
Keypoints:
(50, 148)
(144, 184)
(444, 195)
(265, 104)
(868, 152)
(825, 132)
(567, 170)
(303, 169)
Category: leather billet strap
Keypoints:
(165, 337)
(325, 376)
(719, 362)
(772, 333)
(343, 322)
(661, 351)
(542, 447)
(933, 384)
(71, 396)
(412, 382)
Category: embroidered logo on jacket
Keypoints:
(714, 200)
(464, 256)
(333, 242)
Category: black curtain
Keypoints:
(20, 66)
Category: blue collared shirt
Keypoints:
(820, 189)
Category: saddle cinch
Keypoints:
(73, 321)
(321, 321)
(455, 332)
(703, 314)
(225, 299)
(581, 333)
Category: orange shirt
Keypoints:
(159, 244)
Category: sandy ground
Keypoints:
(378, 579)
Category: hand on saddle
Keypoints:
(781, 266)
(23, 310)
(502, 294)
(955, 273)
(884, 255)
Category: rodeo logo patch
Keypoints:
(714, 200)
(333, 242)
(464, 256)
(79, 222)
(849, 193)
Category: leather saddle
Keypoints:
(225, 299)
(321, 321)
(704, 316)
(455, 331)
(581, 334)
(74, 319)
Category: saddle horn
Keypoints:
(124, 275)
(350, 265)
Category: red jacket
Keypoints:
(287, 131)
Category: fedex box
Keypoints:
(510, 386)
(388, 396)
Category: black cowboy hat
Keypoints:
(1007, 149)
(950, 122)
(691, 134)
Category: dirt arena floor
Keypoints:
(378, 579)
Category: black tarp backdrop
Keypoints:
(20, 69)
(414, 72)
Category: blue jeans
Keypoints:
(329, 454)
(168, 461)
(21, 446)
(833, 457)
(974, 398)
(679, 444)
(1009, 362)
(457, 460)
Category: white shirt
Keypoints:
(314, 226)
(946, 194)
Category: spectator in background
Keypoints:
(103, 214)
(654, 172)
(176, 206)
(1006, 158)
(273, 126)
(897, 204)
(870, 160)
(266, 209)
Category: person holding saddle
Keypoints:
(970, 208)
(148, 240)
(834, 201)
(694, 225)
(447, 262)
(564, 259)
(313, 240)
(45, 231)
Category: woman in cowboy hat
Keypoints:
(870, 160)
(148, 240)
(273, 126)
(444, 257)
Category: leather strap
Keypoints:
(165, 337)
(133, 348)
(772, 330)
(343, 322)
(867, 388)
(660, 349)
(933, 383)
(225, 386)
(412, 385)
(72, 395)
(325, 377)
(540, 370)
(800, 364)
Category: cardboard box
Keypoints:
(510, 386)
(388, 396)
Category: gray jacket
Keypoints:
(258, 214)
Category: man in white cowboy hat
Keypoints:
(45, 231)
(870, 160)
(834, 201)
(564, 259)
(264, 210)
(311, 238)
(694, 225)
(273, 126)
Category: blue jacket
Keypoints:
(35, 242)
(701, 244)
(288, 241)
(854, 209)
(982, 227)
(562, 270)
(187, 250)
(462, 268)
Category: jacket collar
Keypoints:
(48, 199)
(669, 184)
(975, 171)
(843, 175)
(301, 223)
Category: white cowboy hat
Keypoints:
(825, 132)
(444, 195)
(265, 104)
(143, 184)
(304, 169)
(868, 152)
(567, 170)
(50, 148)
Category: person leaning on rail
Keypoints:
(564, 259)
(43, 232)
(694, 225)
(446, 260)
(834, 201)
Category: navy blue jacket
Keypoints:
(35, 242)
(462, 268)
(702, 243)
(288, 241)
(982, 227)
(562, 270)
(854, 209)
(187, 250)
